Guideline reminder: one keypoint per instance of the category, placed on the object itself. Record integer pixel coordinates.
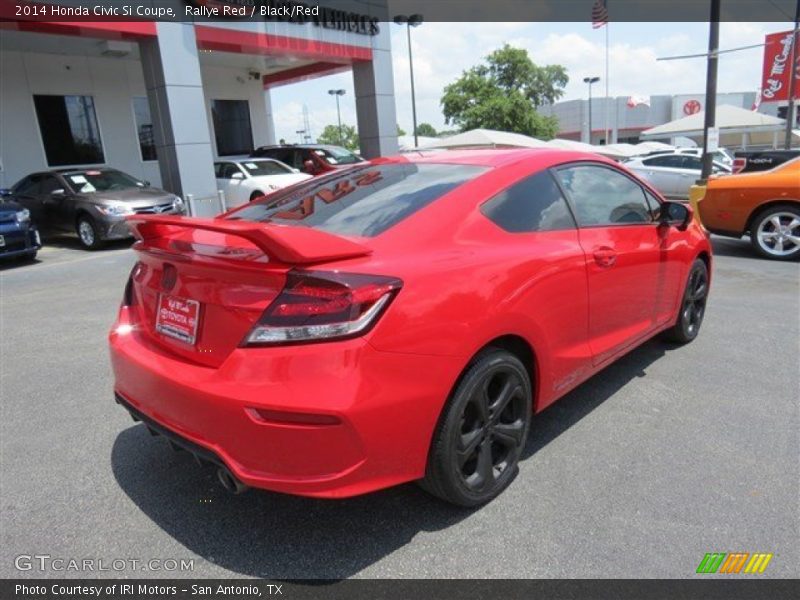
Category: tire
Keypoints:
(775, 232)
(88, 234)
(31, 257)
(693, 305)
(475, 451)
(255, 195)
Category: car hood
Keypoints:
(282, 180)
(134, 197)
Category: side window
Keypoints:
(227, 170)
(604, 196)
(298, 160)
(49, 183)
(692, 162)
(653, 204)
(664, 161)
(29, 185)
(533, 204)
(218, 168)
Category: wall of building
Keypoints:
(112, 82)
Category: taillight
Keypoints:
(128, 297)
(321, 306)
(739, 164)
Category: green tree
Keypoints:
(426, 130)
(503, 93)
(400, 131)
(349, 139)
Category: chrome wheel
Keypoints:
(86, 233)
(778, 234)
(493, 427)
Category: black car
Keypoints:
(310, 158)
(18, 235)
(746, 161)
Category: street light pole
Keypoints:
(338, 93)
(411, 21)
(711, 87)
(590, 81)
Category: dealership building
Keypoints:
(626, 122)
(162, 100)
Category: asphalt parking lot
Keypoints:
(670, 453)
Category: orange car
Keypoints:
(765, 204)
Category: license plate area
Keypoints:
(177, 318)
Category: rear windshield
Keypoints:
(362, 201)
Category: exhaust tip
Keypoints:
(229, 482)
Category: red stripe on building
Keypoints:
(249, 42)
(303, 73)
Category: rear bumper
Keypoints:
(372, 414)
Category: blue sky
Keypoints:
(443, 50)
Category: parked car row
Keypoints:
(94, 203)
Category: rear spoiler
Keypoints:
(287, 244)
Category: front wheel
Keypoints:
(256, 195)
(476, 448)
(775, 232)
(693, 305)
(88, 233)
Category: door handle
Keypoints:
(605, 257)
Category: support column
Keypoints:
(375, 109)
(270, 117)
(171, 67)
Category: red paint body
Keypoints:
(579, 298)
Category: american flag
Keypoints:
(599, 14)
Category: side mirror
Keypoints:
(4, 192)
(237, 176)
(58, 193)
(295, 170)
(675, 214)
(308, 166)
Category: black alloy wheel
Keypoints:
(693, 305)
(476, 448)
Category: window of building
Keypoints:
(534, 204)
(232, 129)
(604, 196)
(144, 128)
(69, 129)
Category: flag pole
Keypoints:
(607, 99)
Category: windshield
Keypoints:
(87, 182)
(362, 201)
(337, 156)
(257, 168)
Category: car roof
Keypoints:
(497, 157)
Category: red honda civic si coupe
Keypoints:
(400, 320)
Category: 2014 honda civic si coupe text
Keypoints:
(399, 320)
